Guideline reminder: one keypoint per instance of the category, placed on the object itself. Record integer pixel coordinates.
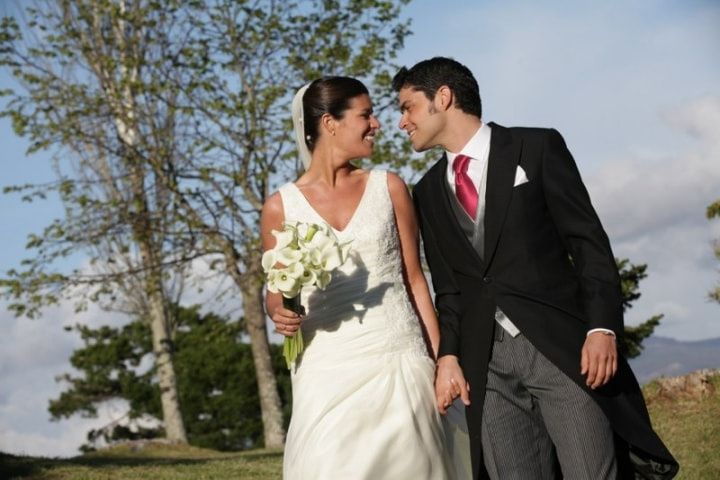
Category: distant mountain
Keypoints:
(668, 357)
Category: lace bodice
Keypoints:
(366, 306)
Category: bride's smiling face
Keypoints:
(355, 131)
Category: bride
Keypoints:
(363, 396)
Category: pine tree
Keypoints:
(630, 276)
(215, 376)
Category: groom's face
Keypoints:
(420, 119)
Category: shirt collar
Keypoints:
(477, 146)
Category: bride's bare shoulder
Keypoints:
(396, 184)
(273, 206)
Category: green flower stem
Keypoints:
(312, 230)
(293, 346)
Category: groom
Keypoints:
(527, 291)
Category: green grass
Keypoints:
(156, 461)
(690, 427)
(689, 424)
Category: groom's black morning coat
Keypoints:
(548, 266)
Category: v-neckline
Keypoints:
(354, 214)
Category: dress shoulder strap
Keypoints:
(378, 180)
(378, 192)
(291, 203)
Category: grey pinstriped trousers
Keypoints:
(533, 411)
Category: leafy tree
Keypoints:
(184, 107)
(630, 276)
(713, 211)
(215, 374)
(90, 75)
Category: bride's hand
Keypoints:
(450, 383)
(286, 321)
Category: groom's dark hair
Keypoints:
(429, 75)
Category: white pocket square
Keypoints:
(520, 176)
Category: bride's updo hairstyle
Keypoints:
(330, 95)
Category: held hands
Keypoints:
(450, 383)
(598, 361)
(286, 321)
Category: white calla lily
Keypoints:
(272, 281)
(331, 258)
(288, 255)
(314, 258)
(344, 251)
(269, 259)
(319, 241)
(285, 238)
(295, 269)
(323, 280)
(287, 283)
(308, 278)
(306, 231)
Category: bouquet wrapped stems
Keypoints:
(293, 346)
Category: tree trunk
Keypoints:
(252, 299)
(273, 430)
(163, 350)
(121, 98)
(160, 319)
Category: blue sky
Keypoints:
(633, 86)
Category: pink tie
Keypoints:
(466, 192)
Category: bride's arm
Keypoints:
(414, 276)
(271, 218)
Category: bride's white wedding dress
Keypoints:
(363, 397)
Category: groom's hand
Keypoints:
(450, 383)
(598, 361)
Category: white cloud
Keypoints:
(32, 354)
(22, 433)
(699, 118)
(674, 310)
(654, 211)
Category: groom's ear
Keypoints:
(443, 98)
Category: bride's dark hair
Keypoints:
(330, 95)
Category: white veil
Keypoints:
(298, 117)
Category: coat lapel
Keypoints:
(502, 163)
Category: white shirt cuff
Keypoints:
(606, 331)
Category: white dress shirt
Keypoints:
(478, 149)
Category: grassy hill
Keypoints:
(148, 461)
(685, 412)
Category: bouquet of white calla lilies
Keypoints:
(305, 254)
